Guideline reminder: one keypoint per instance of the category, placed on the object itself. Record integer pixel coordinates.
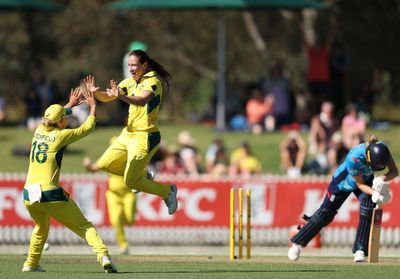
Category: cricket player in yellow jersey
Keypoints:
(131, 152)
(121, 203)
(43, 197)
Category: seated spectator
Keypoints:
(337, 152)
(293, 153)
(216, 159)
(2, 109)
(302, 112)
(259, 112)
(243, 163)
(353, 127)
(188, 153)
(172, 163)
(322, 128)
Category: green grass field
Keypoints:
(78, 266)
(265, 146)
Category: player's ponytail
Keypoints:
(154, 65)
(48, 123)
(372, 139)
(377, 154)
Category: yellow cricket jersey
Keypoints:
(237, 155)
(250, 163)
(143, 118)
(117, 184)
(47, 151)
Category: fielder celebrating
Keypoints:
(354, 175)
(43, 196)
(131, 152)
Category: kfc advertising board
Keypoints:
(276, 202)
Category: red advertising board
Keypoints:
(202, 203)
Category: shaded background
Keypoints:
(85, 37)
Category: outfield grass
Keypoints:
(78, 266)
(265, 146)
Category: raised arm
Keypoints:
(91, 101)
(102, 96)
(74, 98)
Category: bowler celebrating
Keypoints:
(130, 153)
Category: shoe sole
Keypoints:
(175, 194)
(360, 261)
(108, 268)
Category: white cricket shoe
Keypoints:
(108, 265)
(28, 268)
(294, 252)
(359, 256)
(171, 202)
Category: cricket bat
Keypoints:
(374, 235)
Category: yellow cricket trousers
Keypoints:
(121, 212)
(129, 156)
(68, 214)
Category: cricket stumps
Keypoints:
(236, 204)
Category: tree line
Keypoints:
(87, 38)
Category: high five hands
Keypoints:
(114, 90)
(91, 84)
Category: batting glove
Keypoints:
(379, 185)
(379, 198)
(386, 197)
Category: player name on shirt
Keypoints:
(44, 137)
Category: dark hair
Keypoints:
(154, 65)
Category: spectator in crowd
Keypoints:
(216, 158)
(302, 114)
(2, 109)
(172, 163)
(188, 153)
(322, 128)
(336, 152)
(33, 108)
(278, 85)
(259, 111)
(317, 54)
(293, 151)
(353, 127)
(243, 162)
